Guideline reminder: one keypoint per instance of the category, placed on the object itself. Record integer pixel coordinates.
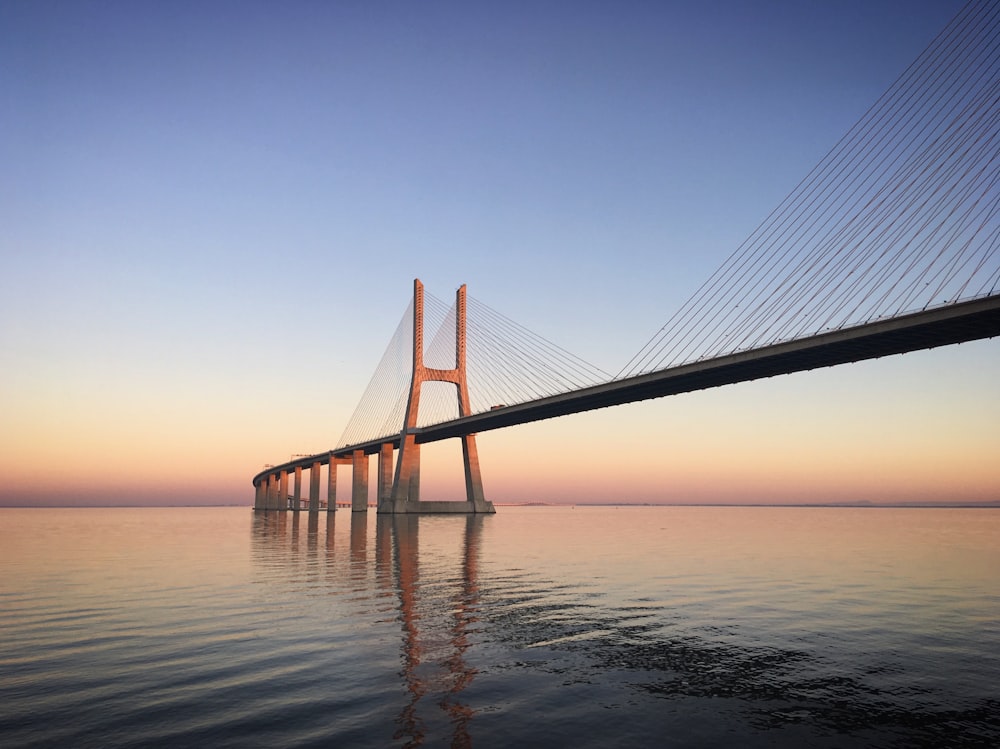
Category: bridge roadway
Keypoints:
(939, 326)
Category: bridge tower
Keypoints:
(404, 496)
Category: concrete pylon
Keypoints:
(297, 498)
(359, 479)
(273, 498)
(281, 501)
(384, 472)
(405, 494)
(314, 486)
(331, 484)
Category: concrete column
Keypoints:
(314, 487)
(282, 498)
(272, 491)
(331, 486)
(407, 463)
(414, 495)
(359, 493)
(258, 495)
(297, 498)
(384, 473)
(473, 479)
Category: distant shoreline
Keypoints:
(987, 505)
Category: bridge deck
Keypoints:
(941, 326)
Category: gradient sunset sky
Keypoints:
(211, 215)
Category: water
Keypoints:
(585, 627)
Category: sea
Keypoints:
(539, 626)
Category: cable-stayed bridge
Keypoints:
(890, 244)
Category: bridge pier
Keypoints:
(405, 486)
(314, 486)
(384, 489)
(359, 489)
(331, 485)
(473, 480)
(272, 492)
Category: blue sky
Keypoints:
(213, 212)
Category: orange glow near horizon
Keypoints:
(199, 280)
(851, 434)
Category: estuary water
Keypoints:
(539, 626)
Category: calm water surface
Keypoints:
(582, 627)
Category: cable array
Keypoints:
(901, 215)
(382, 407)
(505, 362)
(508, 364)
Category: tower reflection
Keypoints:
(436, 621)
(428, 564)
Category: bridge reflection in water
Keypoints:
(435, 636)
(435, 616)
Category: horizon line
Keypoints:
(861, 504)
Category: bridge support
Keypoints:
(314, 486)
(281, 498)
(384, 473)
(272, 492)
(359, 493)
(297, 498)
(331, 485)
(404, 496)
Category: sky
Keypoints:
(211, 216)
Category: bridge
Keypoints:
(890, 244)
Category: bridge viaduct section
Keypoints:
(398, 490)
(941, 326)
(900, 215)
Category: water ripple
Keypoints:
(224, 628)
